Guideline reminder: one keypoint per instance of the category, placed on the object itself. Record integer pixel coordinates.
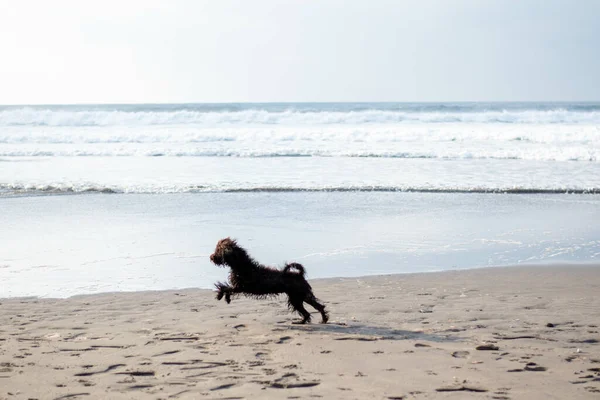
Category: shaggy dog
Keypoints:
(253, 279)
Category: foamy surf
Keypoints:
(300, 114)
(392, 147)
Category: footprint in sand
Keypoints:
(487, 347)
(530, 366)
(534, 367)
(283, 339)
(290, 381)
(225, 386)
(136, 373)
(166, 353)
(461, 389)
(460, 354)
(501, 394)
(139, 387)
(71, 396)
(109, 368)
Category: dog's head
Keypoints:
(224, 252)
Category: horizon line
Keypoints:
(298, 102)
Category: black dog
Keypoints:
(255, 280)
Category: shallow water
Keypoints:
(58, 246)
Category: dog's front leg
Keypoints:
(224, 289)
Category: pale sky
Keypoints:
(150, 51)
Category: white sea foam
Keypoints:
(163, 175)
(550, 142)
(66, 117)
(391, 147)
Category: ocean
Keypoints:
(98, 198)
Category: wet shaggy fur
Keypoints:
(253, 279)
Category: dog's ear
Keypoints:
(229, 254)
(226, 248)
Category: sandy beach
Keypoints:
(495, 333)
(432, 169)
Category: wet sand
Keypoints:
(496, 333)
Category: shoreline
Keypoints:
(540, 264)
(522, 332)
(11, 191)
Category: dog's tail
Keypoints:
(296, 266)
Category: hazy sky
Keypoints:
(149, 51)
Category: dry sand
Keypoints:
(498, 333)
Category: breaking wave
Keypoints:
(35, 116)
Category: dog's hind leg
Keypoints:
(296, 304)
(311, 299)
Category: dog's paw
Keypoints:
(219, 295)
(227, 298)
